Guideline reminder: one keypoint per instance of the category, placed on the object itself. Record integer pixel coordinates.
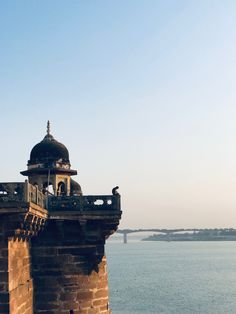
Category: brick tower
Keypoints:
(52, 238)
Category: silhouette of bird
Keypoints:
(114, 190)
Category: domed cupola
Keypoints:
(49, 164)
(49, 150)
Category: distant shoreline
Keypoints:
(198, 236)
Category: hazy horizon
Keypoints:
(142, 93)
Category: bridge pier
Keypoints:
(125, 238)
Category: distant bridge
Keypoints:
(125, 232)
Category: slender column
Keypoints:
(125, 238)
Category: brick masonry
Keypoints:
(4, 292)
(70, 275)
(19, 276)
(16, 285)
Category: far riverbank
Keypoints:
(203, 235)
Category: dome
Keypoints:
(48, 156)
(75, 188)
(48, 150)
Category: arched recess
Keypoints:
(61, 188)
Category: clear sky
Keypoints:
(142, 93)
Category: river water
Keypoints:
(172, 277)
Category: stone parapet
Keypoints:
(85, 203)
(23, 192)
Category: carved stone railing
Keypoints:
(21, 192)
(84, 203)
(26, 192)
(25, 219)
(34, 195)
(12, 192)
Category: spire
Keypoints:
(48, 128)
(48, 136)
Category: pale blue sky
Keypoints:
(142, 93)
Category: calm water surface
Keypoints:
(172, 277)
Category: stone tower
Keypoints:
(52, 238)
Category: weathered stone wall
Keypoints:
(4, 294)
(70, 276)
(19, 275)
(16, 287)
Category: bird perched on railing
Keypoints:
(114, 190)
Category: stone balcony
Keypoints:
(22, 209)
(25, 199)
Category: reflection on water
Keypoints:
(172, 277)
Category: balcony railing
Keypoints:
(21, 192)
(11, 192)
(84, 203)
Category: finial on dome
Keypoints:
(48, 128)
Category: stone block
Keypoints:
(47, 306)
(48, 297)
(3, 287)
(85, 295)
(70, 305)
(3, 276)
(4, 297)
(68, 296)
(3, 264)
(99, 302)
(102, 293)
(85, 304)
(4, 308)
(93, 311)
